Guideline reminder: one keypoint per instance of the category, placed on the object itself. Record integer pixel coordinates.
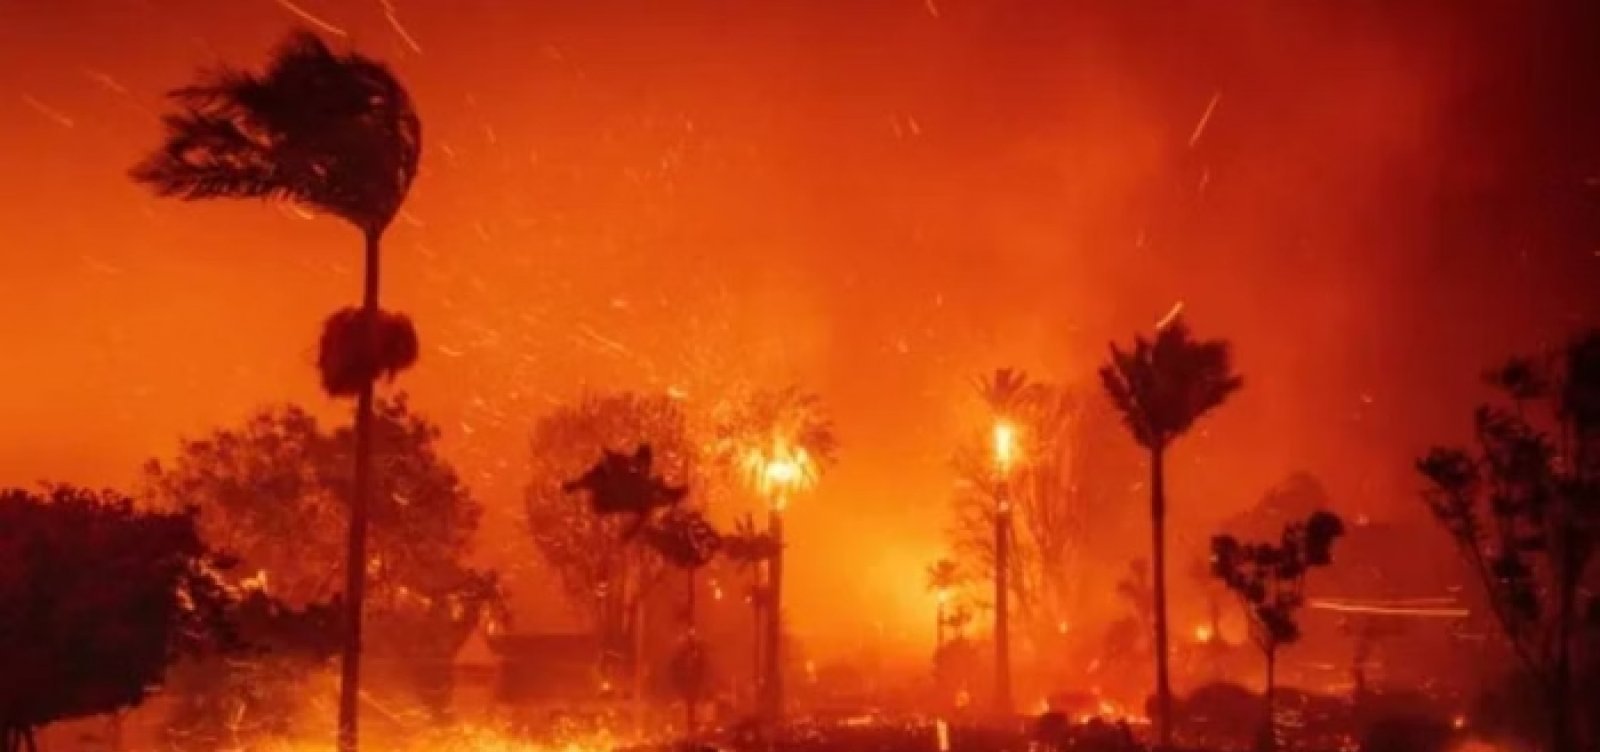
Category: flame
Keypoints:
(1005, 445)
(779, 470)
(1203, 633)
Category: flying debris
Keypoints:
(1205, 118)
(308, 17)
(50, 112)
(394, 22)
(1177, 308)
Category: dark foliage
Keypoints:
(604, 577)
(96, 600)
(1269, 579)
(1161, 387)
(623, 484)
(275, 492)
(333, 132)
(358, 347)
(244, 693)
(1524, 508)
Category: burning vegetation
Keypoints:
(645, 568)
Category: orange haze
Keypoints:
(874, 199)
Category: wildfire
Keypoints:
(1005, 445)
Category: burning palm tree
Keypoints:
(337, 134)
(1161, 388)
(1006, 393)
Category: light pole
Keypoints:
(1004, 450)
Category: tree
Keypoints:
(780, 441)
(1161, 388)
(943, 577)
(687, 541)
(1524, 508)
(234, 697)
(1006, 393)
(604, 575)
(749, 548)
(1269, 580)
(272, 492)
(338, 134)
(1067, 495)
(96, 600)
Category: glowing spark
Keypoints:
(1205, 117)
(1356, 608)
(933, 10)
(48, 111)
(1203, 633)
(394, 21)
(311, 19)
(105, 80)
(1177, 308)
(942, 730)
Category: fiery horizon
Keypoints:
(873, 203)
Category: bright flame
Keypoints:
(779, 471)
(943, 596)
(1005, 445)
(1062, 627)
(1203, 633)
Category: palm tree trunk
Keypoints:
(774, 656)
(1269, 728)
(1002, 606)
(1158, 532)
(1561, 737)
(356, 558)
(691, 693)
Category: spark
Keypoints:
(1177, 308)
(311, 19)
(1356, 608)
(1205, 117)
(48, 111)
(394, 22)
(933, 10)
(105, 80)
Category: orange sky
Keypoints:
(874, 199)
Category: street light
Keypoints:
(1005, 448)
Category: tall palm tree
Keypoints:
(782, 440)
(749, 548)
(337, 134)
(1007, 392)
(1161, 388)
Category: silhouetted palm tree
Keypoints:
(686, 540)
(1006, 392)
(749, 548)
(1161, 388)
(337, 134)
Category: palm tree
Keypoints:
(686, 540)
(750, 548)
(943, 576)
(1007, 392)
(1161, 388)
(781, 440)
(337, 134)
